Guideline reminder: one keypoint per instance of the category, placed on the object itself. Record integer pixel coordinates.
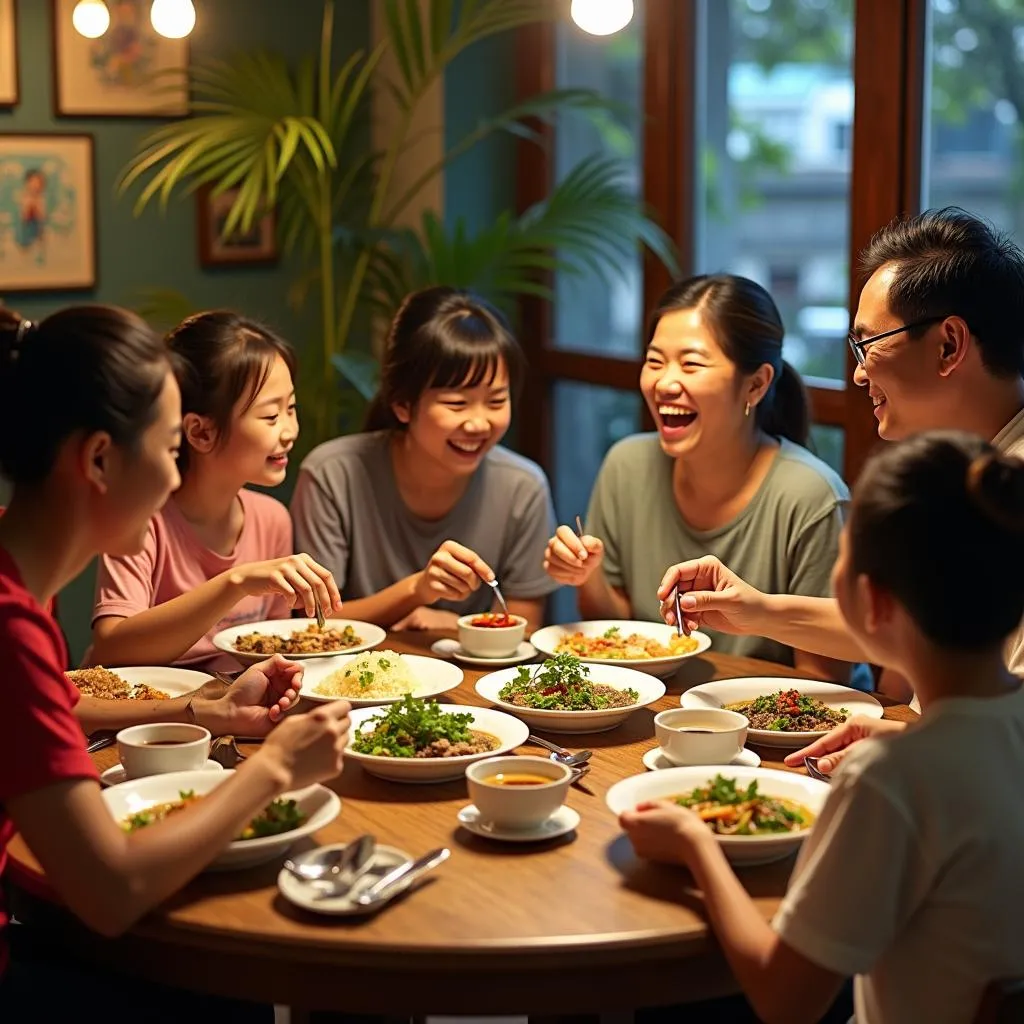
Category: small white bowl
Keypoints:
(491, 641)
(319, 804)
(682, 745)
(517, 807)
(162, 747)
(627, 794)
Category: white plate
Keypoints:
(510, 732)
(448, 648)
(650, 690)
(732, 691)
(432, 678)
(173, 681)
(303, 895)
(548, 638)
(115, 776)
(225, 640)
(564, 820)
(319, 804)
(762, 849)
(656, 761)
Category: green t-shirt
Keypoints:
(784, 542)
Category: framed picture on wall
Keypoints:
(129, 71)
(255, 247)
(8, 55)
(47, 213)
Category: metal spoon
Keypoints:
(681, 627)
(562, 755)
(493, 584)
(811, 764)
(401, 877)
(334, 871)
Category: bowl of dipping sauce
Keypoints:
(491, 635)
(517, 792)
(162, 747)
(706, 736)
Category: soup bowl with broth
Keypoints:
(517, 792)
(161, 748)
(706, 736)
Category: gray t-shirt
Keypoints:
(784, 542)
(349, 515)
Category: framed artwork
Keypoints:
(130, 71)
(8, 55)
(258, 246)
(47, 213)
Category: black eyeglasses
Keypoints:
(858, 346)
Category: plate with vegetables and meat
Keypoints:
(563, 694)
(784, 711)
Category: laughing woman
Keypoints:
(727, 470)
(413, 516)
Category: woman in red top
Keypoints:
(90, 424)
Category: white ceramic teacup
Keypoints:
(517, 806)
(491, 641)
(162, 747)
(679, 733)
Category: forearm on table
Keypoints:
(96, 714)
(162, 634)
(811, 624)
(529, 608)
(387, 606)
(598, 599)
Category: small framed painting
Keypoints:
(129, 71)
(47, 213)
(8, 55)
(255, 247)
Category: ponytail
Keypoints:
(995, 483)
(785, 410)
(380, 415)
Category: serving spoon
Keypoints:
(334, 871)
(560, 754)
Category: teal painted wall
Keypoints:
(160, 251)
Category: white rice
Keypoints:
(372, 675)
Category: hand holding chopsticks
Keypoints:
(571, 558)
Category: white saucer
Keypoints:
(564, 820)
(304, 895)
(655, 760)
(448, 648)
(115, 775)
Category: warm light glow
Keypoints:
(90, 18)
(602, 17)
(173, 19)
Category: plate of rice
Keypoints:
(377, 677)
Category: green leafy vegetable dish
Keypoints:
(277, 817)
(562, 683)
(729, 810)
(419, 728)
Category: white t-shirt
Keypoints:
(912, 877)
(1010, 441)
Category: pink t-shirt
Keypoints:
(173, 562)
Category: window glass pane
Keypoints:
(775, 110)
(587, 421)
(974, 110)
(589, 313)
(828, 443)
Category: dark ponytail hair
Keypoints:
(441, 338)
(746, 324)
(84, 369)
(220, 358)
(935, 507)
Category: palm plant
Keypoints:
(297, 141)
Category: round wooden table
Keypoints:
(573, 925)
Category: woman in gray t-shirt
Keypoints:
(726, 471)
(414, 514)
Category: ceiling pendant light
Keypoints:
(90, 18)
(602, 17)
(173, 19)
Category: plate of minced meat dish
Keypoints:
(155, 682)
(298, 638)
(784, 711)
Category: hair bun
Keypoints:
(996, 483)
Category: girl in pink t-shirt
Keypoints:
(216, 554)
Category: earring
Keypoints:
(746, 409)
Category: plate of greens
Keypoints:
(424, 741)
(564, 694)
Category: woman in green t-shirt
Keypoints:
(727, 470)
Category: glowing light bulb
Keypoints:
(90, 18)
(173, 19)
(602, 17)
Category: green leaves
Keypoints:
(411, 725)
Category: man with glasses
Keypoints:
(939, 343)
